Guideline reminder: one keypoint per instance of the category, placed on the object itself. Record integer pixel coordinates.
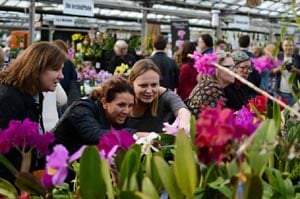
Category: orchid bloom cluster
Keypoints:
(58, 161)
(173, 129)
(203, 63)
(218, 130)
(265, 63)
(24, 136)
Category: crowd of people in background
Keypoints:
(41, 84)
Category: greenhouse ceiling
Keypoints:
(131, 12)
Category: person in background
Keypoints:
(1, 59)
(69, 82)
(258, 52)
(52, 101)
(283, 73)
(205, 44)
(154, 104)
(167, 65)
(38, 69)
(220, 45)
(6, 50)
(87, 119)
(121, 56)
(254, 77)
(188, 73)
(237, 93)
(209, 90)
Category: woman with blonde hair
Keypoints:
(154, 104)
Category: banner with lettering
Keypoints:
(79, 7)
(180, 32)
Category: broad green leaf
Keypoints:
(232, 168)
(277, 115)
(151, 172)
(148, 189)
(185, 165)
(168, 178)
(264, 134)
(8, 165)
(7, 189)
(280, 186)
(129, 166)
(253, 188)
(221, 185)
(193, 128)
(141, 195)
(92, 185)
(107, 179)
(128, 195)
(29, 183)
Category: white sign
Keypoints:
(63, 21)
(78, 7)
(241, 22)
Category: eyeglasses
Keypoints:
(248, 69)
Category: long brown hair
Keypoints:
(139, 68)
(24, 72)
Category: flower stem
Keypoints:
(251, 85)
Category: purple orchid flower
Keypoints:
(56, 167)
(264, 63)
(203, 63)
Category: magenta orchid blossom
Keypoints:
(265, 63)
(24, 136)
(203, 63)
(122, 138)
(217, 129)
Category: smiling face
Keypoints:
(119, 108)
(224, 77)
(146, 86)
(244, 69)
(50, 78)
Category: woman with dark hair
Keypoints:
(37, 69)
(188, 74)
(87, 119)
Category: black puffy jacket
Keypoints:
(82, 124)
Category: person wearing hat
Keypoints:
(237, 93)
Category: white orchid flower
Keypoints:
(147, 142)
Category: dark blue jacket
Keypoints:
(168, 68)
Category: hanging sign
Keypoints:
(242, 22)
(78, 7)
(63, 21)
(180, 32)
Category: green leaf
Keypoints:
(185, 165)
(168, 178)
(29, 183)
(130, 166)
(107, 179)
(277, 115)
(193, 128)
(128, 195)
(232, 168)
(265, 134)
(8, 165)
(92, 185)
(220, 185)
(148, 189)
(281, 187)
(253, 188)
(151, 171)
(7, 189)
